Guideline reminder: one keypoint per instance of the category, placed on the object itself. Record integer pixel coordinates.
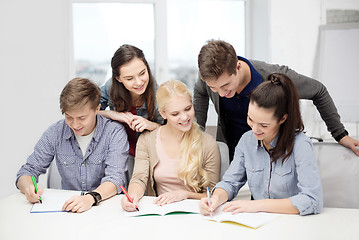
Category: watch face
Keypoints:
(98, 197)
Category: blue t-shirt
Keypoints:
(236, 109)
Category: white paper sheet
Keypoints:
(53, 201)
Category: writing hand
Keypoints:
(207, 210)
(127, 205)
(30, 194)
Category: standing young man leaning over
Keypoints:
(229, 79)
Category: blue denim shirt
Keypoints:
(105, 158)
(107, 102)
(297, 178)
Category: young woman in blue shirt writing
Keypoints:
(275, 157)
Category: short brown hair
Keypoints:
(77, 93)
(215, 58)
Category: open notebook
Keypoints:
(52, 201)
(148, 208)
(252, 220)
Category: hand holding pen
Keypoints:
(209, 204)
(129, 199)
(35, 185)
(209, 201)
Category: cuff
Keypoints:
(340, 136)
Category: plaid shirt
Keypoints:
(105, 158)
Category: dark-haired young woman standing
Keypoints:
(130, 95)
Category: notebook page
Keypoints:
(147, 207)
(52, 201)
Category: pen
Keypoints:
(35, 185)
(209, 199)
(128, 196)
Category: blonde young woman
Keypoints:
(177, 161)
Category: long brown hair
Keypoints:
(120, 96)
(279, 93)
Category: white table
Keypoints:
(106, 221)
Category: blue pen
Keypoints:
(209, 199)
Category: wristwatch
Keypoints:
(96, 196)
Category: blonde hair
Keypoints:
(191, 170)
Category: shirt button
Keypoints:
(82, 165)
(252, 169)
(64, 163)
(83, 182)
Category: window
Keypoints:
(170, 32)
(99, 29)
(190, 23)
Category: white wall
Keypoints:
(33, 71)
(294, 37)
(34, 63)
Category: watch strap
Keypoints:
(96, 196)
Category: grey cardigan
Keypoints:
(308, 88)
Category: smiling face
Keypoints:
(263, 123)
(82, 121)
(179, 113)
(226, 85)
(134, 76)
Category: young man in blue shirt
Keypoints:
(228, 80)
(91, 151)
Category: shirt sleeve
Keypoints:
(42, 156)
(311, 89)
(235, 177)
(141, 169)
(116, 158)
(200, 102)
(212, 160)
(309, 200)
(105, 95)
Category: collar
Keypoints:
(68, 133)
(143, 106)
(273, 143)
